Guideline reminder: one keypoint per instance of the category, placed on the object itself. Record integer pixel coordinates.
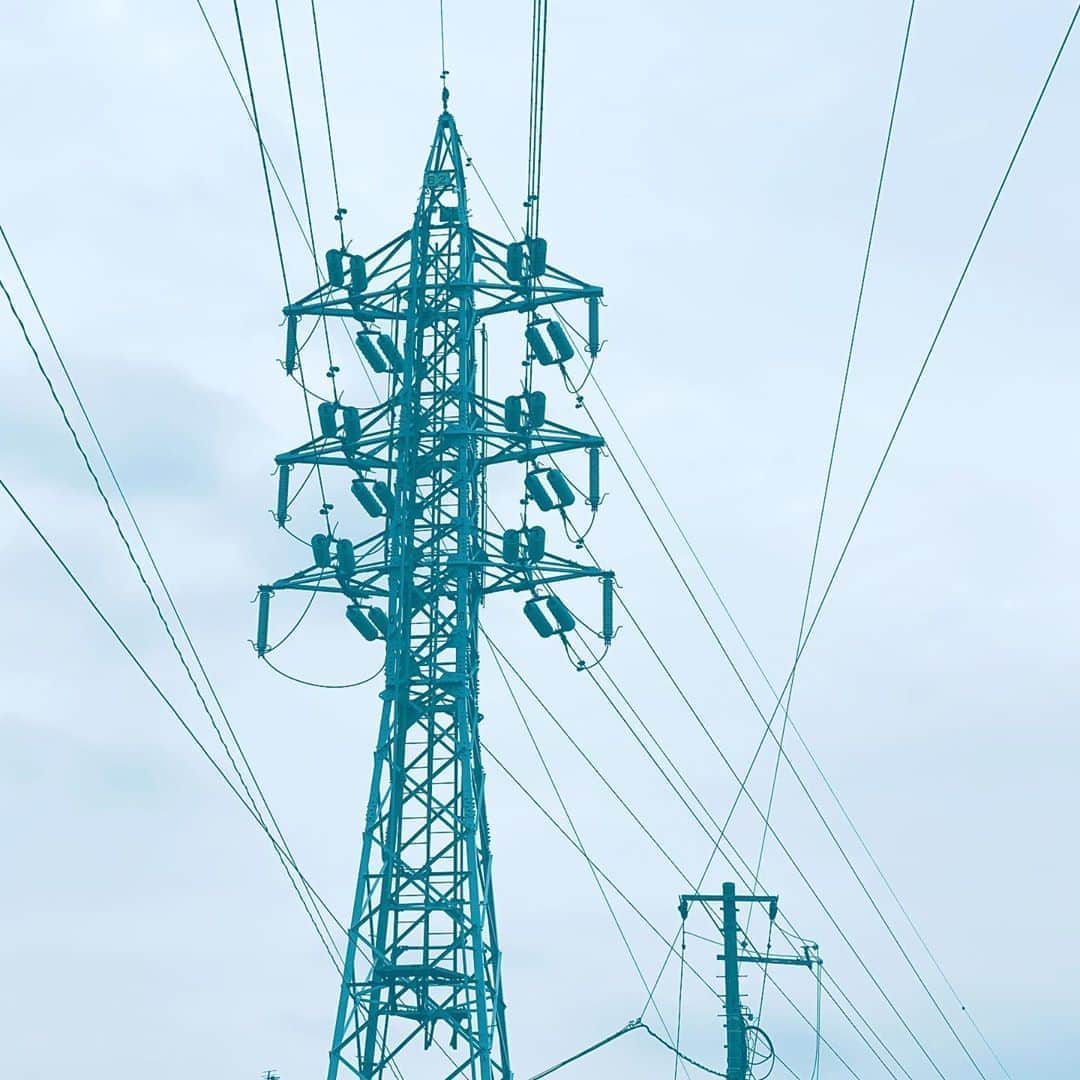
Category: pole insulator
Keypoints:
(281, 514)
(290, 346)
(607, 630)
(594, 478)
(264, 621)
(594, 326)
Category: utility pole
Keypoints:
(735, 1016)
(422, 965)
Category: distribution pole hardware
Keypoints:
(422, 966)
(748, 1047)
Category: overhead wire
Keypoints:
(340, 212)
(538, 69)
(745, 779)
(242, 776)
(918, 380)
(768, 731)
(623, 802)
(841, 555)
(571, 823)
(253, 114)
(836, 426)
(279, 848)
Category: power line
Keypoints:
(282, 852)
(742, 790)
(767, 733)
(570, 821)
(340, 212)
(744, 780)
(133, 559)
(836, 427)
(538, 72)
(665, 854)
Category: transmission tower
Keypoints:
(422, 968)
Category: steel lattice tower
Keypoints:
(422, 964)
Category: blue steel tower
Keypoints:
(422, 968)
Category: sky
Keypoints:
(713, 166)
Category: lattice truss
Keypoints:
(422, 963)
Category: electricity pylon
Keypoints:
(422, 967)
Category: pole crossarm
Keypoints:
(736, 1017)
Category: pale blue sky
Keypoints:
(713, 166)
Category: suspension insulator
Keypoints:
(594, 478)
(564, 493)
(320, 549)
(365, 498)
(383, 493)
(512, 414)
(607, 629)
(537, 408)
(328, 419)
(515, 261)
(350, 422)
(290, 345)
(536, 543)
(537, 256)
(371, 353)
(355, 614)
(391, 352)
(594, 325)
(281, 514)
(535, 614)
(346, 559)
(511, 546)
(264, 620)
(538, 344)
(357, 274)
(335, 268)
(564, 620)
(534, 485)
(380, 620)
(564, 347)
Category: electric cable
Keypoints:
(322, 685)
(254, 117)
(144, 544)
(339, 215)
(836, 426)
(641, 506)
(538, 76)
(662, 850)
(281, 851)
(911, 396)
(573, 827)
(678, 1028)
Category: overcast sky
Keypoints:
(713, 166)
